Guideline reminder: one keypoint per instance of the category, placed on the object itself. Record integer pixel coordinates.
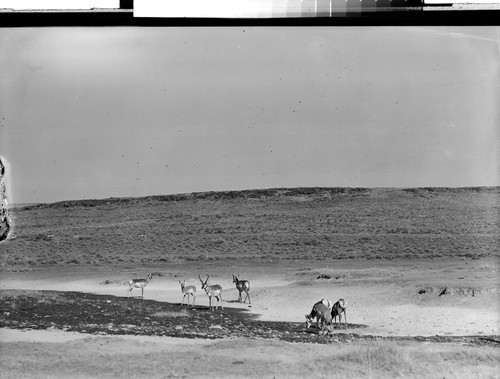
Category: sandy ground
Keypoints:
(384, 296)
(58, 354)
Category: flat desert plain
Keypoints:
(418, 269)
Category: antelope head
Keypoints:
(203, 283)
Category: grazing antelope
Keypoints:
(321, 313)
(139, 283)
(242, 285)
(337, 309)
(212, 291)
(327, 303)
(187, 291)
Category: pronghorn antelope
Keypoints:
(242, 285)
(187, 291)
(327, 303)
(139, 283)
(337, 309)
(212, 291)
(321, 313)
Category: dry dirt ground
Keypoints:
(398, 324)
(389, 298)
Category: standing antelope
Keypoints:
(187, 291)
(337, 309)
(322, 314)
(242, 285)
(139, 283)
(212, 291)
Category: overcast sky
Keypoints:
(102, 112)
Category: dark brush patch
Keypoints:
(111, 315)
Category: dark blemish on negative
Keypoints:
(4, 219)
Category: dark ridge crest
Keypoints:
(261, 194)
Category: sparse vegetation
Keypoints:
(382, 359)
(310, 223)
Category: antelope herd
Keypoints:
(324, 313)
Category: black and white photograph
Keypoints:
(270, 198)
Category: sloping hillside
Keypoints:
(270, 224)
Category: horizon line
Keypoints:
(23, 204)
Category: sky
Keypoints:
(116, 112)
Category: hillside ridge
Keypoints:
(264, 193)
